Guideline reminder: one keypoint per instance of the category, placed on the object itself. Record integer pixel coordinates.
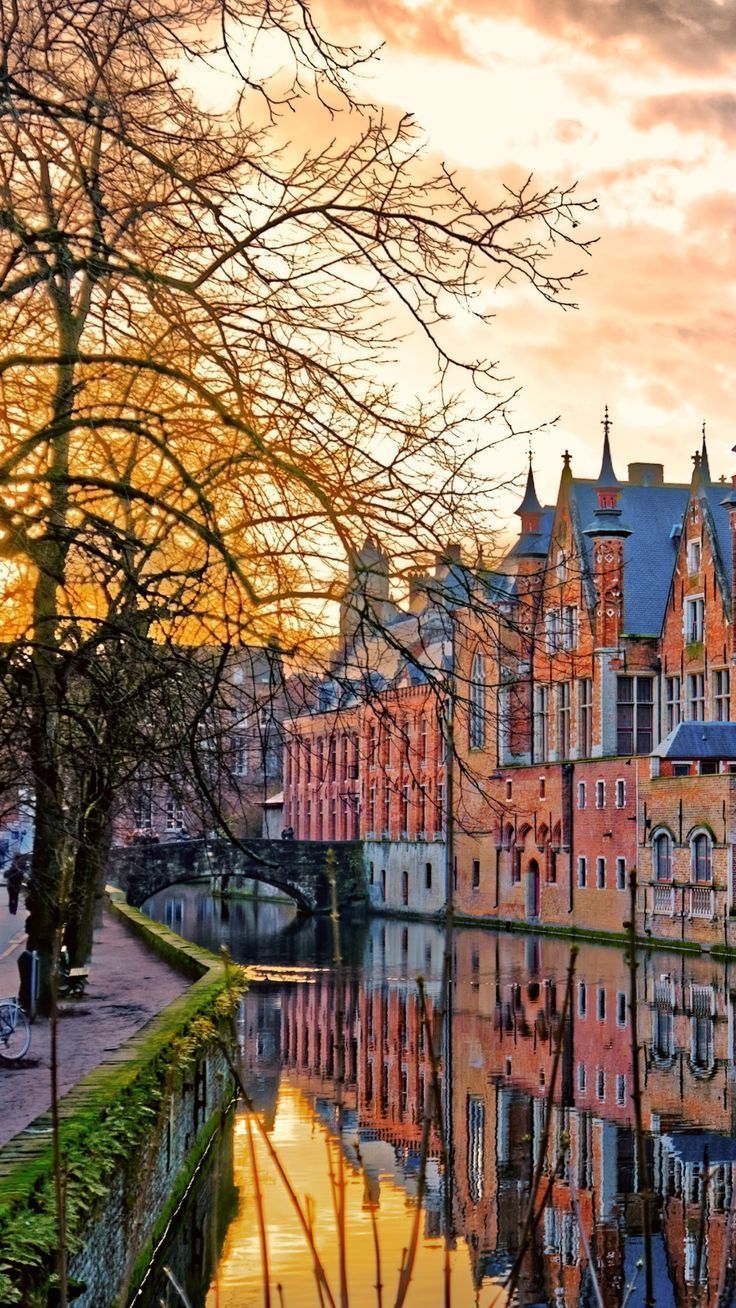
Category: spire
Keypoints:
(607, 518)
(607, 479)
(530, 504)
(704, 465)
(530, 543)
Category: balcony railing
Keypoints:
(701, 901)
(663, 898)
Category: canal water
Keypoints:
(534, 1064)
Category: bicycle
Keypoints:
(15, 1032)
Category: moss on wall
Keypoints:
(107, 1118)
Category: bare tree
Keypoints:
(199, 318)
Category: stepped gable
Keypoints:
(721, 533)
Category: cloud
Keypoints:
(688, 33)
(712, 113)
(692, 34)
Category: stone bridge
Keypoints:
(298, 868)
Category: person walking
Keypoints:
(14, 879)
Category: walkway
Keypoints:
(128, 985)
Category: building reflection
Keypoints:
(359, 1039)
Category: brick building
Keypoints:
(611, 699)
(570, 677)
(221, 753)
(366, 760)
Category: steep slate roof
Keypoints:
(649, 511)
(714, 494)
(690, 740)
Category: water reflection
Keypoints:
(262, 930)
(503, 1007)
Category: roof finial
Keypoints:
(567, 457)
(606, 423)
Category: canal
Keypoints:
(535, 1060)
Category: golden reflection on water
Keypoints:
(302, 1143)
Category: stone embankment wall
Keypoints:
(132, 1135)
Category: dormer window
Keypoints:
(607, 499)
(693, 557)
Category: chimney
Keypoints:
(646, 474)
(419, 583)
(449, 557)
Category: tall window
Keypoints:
(552, 630)
(600, 794)
(563, 720)
(477, 724)
(696, 696)
(569, 627)
(581, 794)
(372, 808)
(620, 873)
(634, 715)
(422, 809)
(582, 872)
(672, 698)
(174, 813)
(600, 873)
(693, 556)
(585, 742)
(620, 793)
(702, 857)
(423, 738)
(541, 722)
(662, 857)
(694, 620)
(387, 806)
(240, 755)
(721, 695)
(439, 816)
(404, 810)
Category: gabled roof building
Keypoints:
(573, 677)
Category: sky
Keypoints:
(635, 100)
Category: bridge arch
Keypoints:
(297, 868)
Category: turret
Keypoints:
(366, 599)
(607, 520)
(608, 532)
(531, 543)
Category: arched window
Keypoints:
(662, 857)
(477, 724)
(702, 857)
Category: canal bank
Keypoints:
(132, 1133)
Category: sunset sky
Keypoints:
(636, 101)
